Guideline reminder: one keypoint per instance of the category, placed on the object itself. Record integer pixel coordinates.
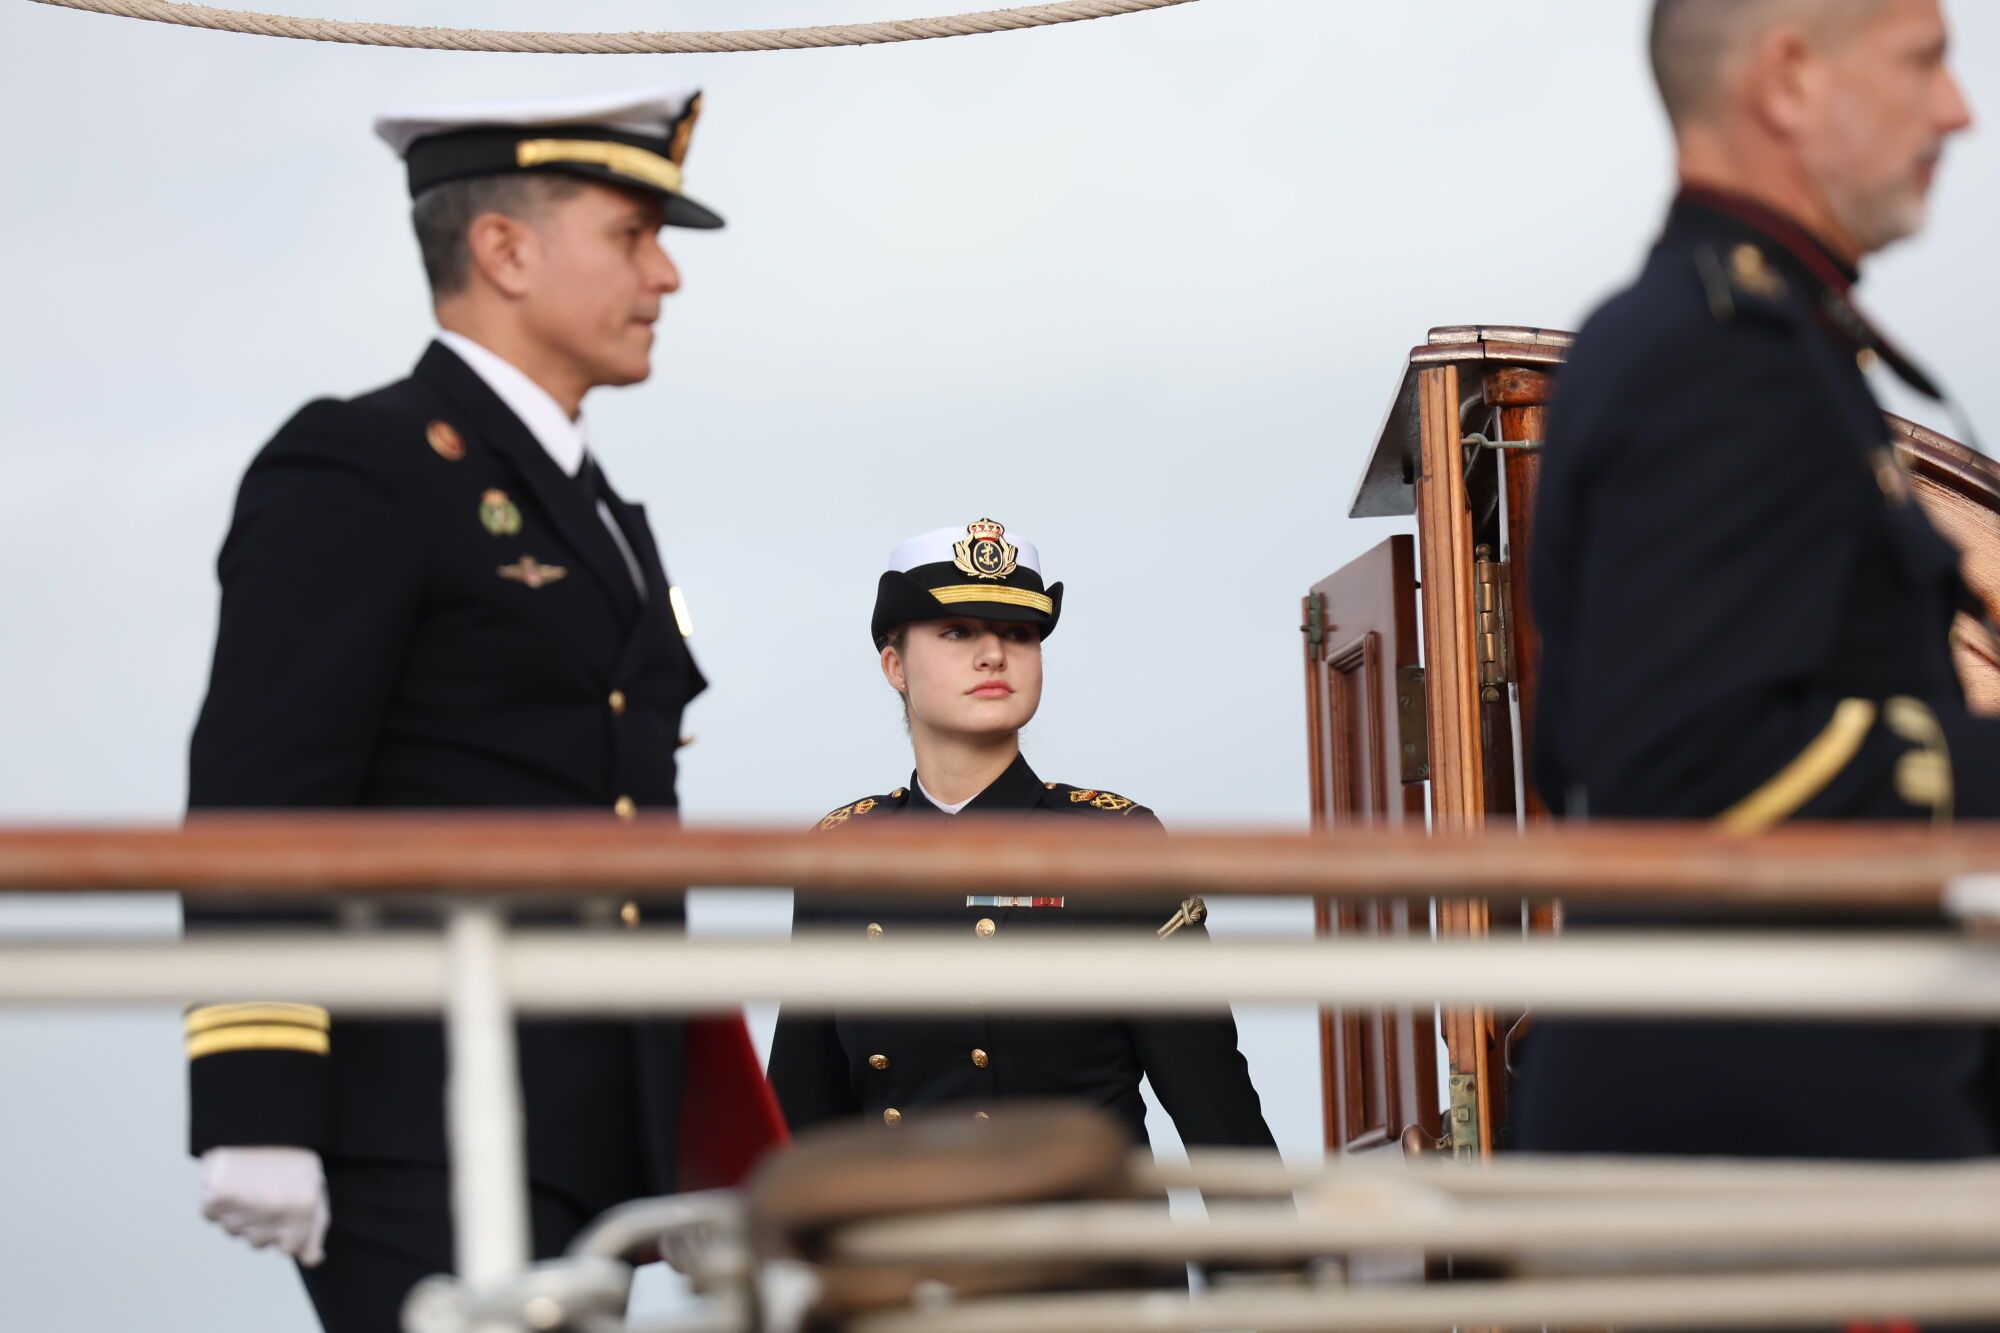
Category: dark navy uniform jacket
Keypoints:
(830, 1068)
(1745, 616)
(421, 610)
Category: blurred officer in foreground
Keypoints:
(959, 621)
(1744, 613)
(432, 597)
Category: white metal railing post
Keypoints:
(489, 1178)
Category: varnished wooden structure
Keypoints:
(1459, 453)
(554, 857)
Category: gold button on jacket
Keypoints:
(617, 703)
(972, 1058)
(625, 807)
(892, 1117)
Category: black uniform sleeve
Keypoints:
(808, 1067)
(1199, 1075)
(1196, 1070)
(1705, 551)
(321, 578)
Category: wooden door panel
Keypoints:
(1365, 708)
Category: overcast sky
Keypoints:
(1138, 288)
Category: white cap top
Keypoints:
(939, 546)
(646, 111)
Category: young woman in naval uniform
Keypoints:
(959, 621)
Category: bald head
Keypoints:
(1697, 44)
(1832, 112)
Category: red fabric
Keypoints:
(729, 1115)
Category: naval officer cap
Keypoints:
(635, 140)
(976, 570)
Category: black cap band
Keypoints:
(633, 161)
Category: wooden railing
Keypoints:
(479, 973)
(294, 855)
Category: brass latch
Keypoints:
(1413, 728)
(1462, 1118)
(1492, 603)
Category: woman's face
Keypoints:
(967, 677)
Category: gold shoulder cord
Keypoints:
(1192, 912)
(1808, 773)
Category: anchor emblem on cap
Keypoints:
(985, 553)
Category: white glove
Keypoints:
(268, 1196)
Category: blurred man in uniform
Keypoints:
(432, 597)
(1745, 616)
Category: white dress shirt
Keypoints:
(566, 441)
(949, 807)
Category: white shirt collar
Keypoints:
(566, 441)
(946, 806)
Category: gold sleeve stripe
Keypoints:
(212, 1016)
(1808, 773)
(974, 592)
(254, 1038)
(623, 158)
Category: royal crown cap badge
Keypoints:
(985, 553)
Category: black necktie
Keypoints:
(591, 482)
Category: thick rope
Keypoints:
(610, 43)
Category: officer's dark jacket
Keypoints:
(1731, 579)
(852, 1064)
(421, 610)
(1744, 615)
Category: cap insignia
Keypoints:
(985, 553)
(445, 441)
(677, 147)
(498, 514)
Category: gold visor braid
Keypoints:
(992, 592)
(622, 158)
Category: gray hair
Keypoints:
(443, 216)
(1692, 42)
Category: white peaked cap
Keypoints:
(938, 547)
(640, 111)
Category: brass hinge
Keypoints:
(1493, 603)
(1462, 1118)
(1315, 626)
(1413, 728)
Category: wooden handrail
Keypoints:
(290, 855)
